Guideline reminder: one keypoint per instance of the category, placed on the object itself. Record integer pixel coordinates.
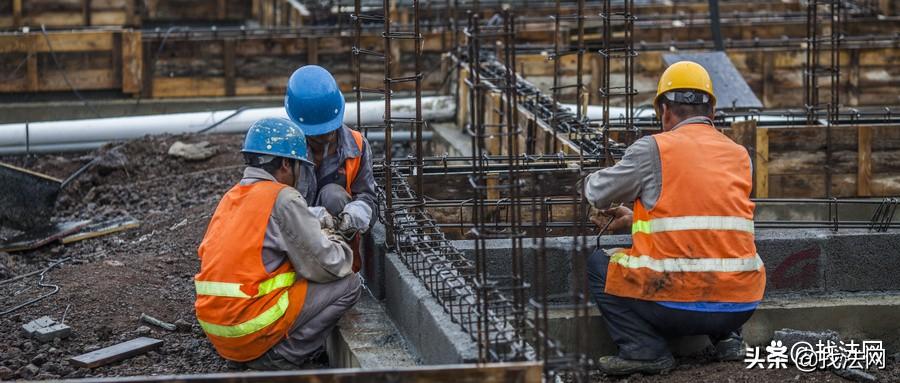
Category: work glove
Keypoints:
(326, 221)
(354, 218)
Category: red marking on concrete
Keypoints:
(798, 271)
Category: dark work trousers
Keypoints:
(640, 328)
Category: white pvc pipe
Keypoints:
(71, 135)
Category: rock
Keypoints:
(192, 152)
(855, 375)
(790, 337)
(103, 332)
(142, 331)
(28, 371)
(113, 263)
(52, 367)
(182, 325)
(6, 373)
(11, 353)
(46, 376)
(39, 359)
(15, 363)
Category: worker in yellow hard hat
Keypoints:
(693, 267)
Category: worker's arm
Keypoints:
(632, 177)
(363, 207)
(315, 255)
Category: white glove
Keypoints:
(355, 217)
(326, 221)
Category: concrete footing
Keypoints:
(809, 261)
(854, 316)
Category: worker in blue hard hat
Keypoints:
(273, 281)
(342, 181)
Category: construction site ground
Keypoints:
(110, 281)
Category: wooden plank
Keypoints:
(761, 165)
(84, 79)
(188, 87)
(132, 62)
(515, 372)
(864, 158)
(116, 352)
(75, 41)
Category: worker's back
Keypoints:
(696, 243)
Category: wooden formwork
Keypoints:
(15, 14)
(790, 161)
(196, 10)
(242, 65)
(870, 73)
(84, 60)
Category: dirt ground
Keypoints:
(110, 281)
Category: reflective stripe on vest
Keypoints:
(725, 265)
(260, 322)
(659, 225)
(233, 290)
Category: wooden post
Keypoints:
(853, 81)
(17, 13)
(222, 9)
(131, 19)
(32, 68)
(768, 78)
(132, 62)
(595, 79)
(462, 101)
(228, 52)
(761, 166)
(147, 70)
(312, 50)
(864, 164)
(86, 12)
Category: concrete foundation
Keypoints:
(809, 261)
(854, 316)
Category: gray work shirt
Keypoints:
(294, 234)
(637, 174)
(362, 188)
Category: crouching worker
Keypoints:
(693, 267)
(342, 182)
(272, 284)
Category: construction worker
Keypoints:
(272, 284)
(342, 180)
(693, 267)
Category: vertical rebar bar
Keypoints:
(388, 122)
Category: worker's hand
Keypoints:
(621, 217)
(354, 218)
(326, 221)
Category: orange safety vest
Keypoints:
(696, 244)
(351, 169)
(243, 309)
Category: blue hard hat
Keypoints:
(314, 101)
(276, 136)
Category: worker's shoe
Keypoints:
(271, 360)
(731, 349)
(614, 365)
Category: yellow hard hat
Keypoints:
(684, 75)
